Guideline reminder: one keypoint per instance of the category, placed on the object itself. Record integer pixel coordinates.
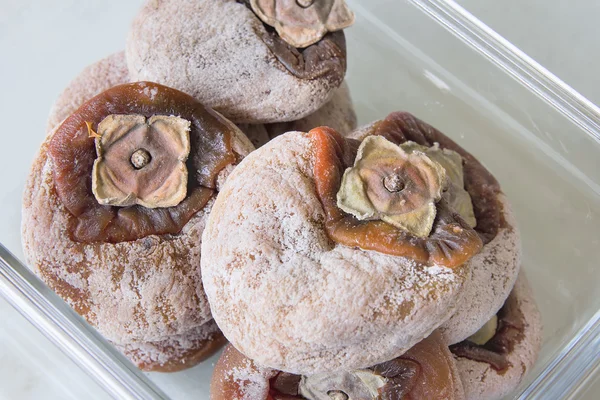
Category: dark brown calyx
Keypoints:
(402, 375)
(73, 153)
(284, 384)
(510, 332)
(400, 127)
(451, 242)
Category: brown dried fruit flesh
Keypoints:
(435, 379)
(400, 127)
(451, 243)
(249, 381)
(72, 152)
(325, 58)
(510, 332)
(302, 23)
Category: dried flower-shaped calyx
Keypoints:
(358, 384)
(389, 184)
(141, 161)
(451, 242)
(73, 154)
(455, 194)
(401, 127)
(325, 59)
(423, 372)
(303, 22)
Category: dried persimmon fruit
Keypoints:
(113, 214)
(426, 371)
(481, 204)
(223, 54)
(290, 296)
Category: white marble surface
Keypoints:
(561, 36)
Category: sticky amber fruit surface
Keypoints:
(73, 153)
(435, 378)
(451, 242)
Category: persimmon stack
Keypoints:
(209, 184)
(370, 244)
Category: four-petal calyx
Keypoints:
(455, 194)
(303, 22)
(390, 184)
(141, 161)
(358, 384)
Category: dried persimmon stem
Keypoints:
(91, 133)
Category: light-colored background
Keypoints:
(560, 35)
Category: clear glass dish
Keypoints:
(539, 137)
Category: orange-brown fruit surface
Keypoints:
(424, 372)
(451, 242)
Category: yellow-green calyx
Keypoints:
(485, 333)
(456, 195)
(393, 185)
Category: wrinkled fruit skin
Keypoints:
(72, 153)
